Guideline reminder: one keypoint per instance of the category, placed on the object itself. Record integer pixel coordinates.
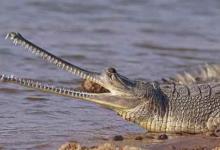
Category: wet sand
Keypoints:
(151, 142)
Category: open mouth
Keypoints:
(94, 88)
(90, 83)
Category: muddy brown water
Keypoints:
(142, 39)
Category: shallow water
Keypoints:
(142, 39)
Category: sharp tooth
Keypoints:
(42, 54)
(39, 85)
(87, 77)
(84, 95)
(6, 37)
(48, 58)
(60, 91)
(70, 70)
(78, 72)
(26, 46)
(33, 50)
(81, 74)
(23, 43)
(2, 77)
(77, 94)
(58, 63)
(91, 78)
(55, 61)
(30, 48)
(68, 92)
(37, 52)
(74, 71)
(15, 41)
(63, 66)
(11, 76)
(67, 67)
(36, 85)
(45, 56)
(51, 59)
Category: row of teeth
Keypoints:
(39, 85)
(49, 58)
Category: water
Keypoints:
(142, 39)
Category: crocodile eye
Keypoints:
(111, 73)
(111, 70)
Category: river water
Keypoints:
(142, 38)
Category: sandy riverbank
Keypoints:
(151, 142)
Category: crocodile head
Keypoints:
(119, 91)
(111, 89)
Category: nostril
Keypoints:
(111, 70)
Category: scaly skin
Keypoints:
(204, 74)
(190, 109)
(181, 104)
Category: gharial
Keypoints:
(188, 103)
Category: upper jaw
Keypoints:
(102, 79)
(18, 39)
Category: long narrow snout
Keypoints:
(117, 87)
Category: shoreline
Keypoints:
(149, 142)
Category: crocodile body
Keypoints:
(182, 108)
(183, 104)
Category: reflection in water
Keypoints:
(143, 39)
